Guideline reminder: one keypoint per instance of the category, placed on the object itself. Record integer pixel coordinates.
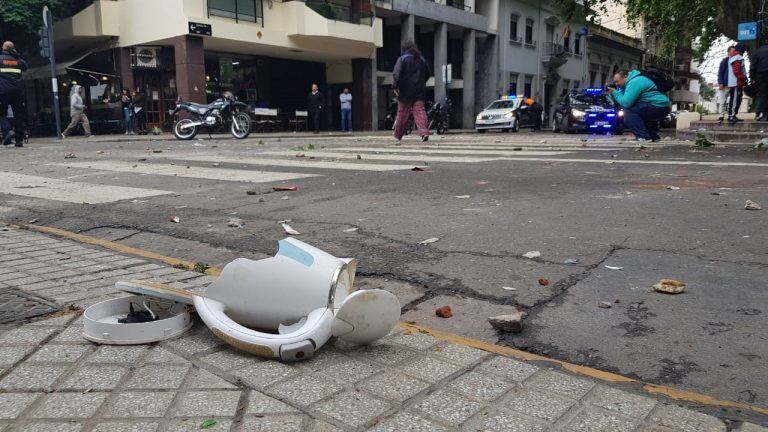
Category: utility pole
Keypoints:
(47, 50)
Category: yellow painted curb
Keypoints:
(669, 392)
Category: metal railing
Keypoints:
(458, 4)
(239, 10)
(341, 12)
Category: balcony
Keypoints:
(684, 96)
(315, 19)
(686, 71)
(342, 12)
(554, 55)
(100, 20)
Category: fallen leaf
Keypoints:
(69, 156)
(284, 188)
(444, 312)
(287, 228)
(33, 221)
(429, 240)
(209, 424)
(532, 254)
(751, 205)
(669, 286)
(543, 282)
(174, 219)
(614, 268)
(604, 305)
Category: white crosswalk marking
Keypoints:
(193, 172)
(298, 162)
(638, 162)
(69, 191)
(339, 154)
(508, 152)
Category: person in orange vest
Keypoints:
(11, 91)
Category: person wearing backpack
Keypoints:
(409, 82)
(642, 96)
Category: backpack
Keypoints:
(664, 83)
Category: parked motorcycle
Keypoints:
(439, 116)
(226, 112)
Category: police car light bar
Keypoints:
(593, 91)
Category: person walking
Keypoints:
(722, 82)
(644, 105)
(345, 98)
(12, 67)
(315, 104)
(737, 79)
(409, 82)
(77, 112)
(139, 116)
(758, 73)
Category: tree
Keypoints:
(706, 91)
(677, 22)
(20, 20)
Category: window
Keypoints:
(577, 45)
(513, 84)
(245, 10)
(513, 27)
(528, 87)
(529, 31)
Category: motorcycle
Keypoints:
(225, 112)
(439, 116)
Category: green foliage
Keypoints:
(208, 424)
(702, 141)
(201, 267)
(20, 19)
(761, 145)
(705, 90)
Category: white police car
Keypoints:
(509, 113)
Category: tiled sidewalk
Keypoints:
(53, 380)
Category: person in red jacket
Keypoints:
(737, 80)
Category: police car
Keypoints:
(589, 110)
(509, 113)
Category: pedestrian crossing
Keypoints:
(276, 166)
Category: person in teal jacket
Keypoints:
(644, 105)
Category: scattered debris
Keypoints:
(99, 151)
(284, 188)
(461, 196)
(617, 301)
(209, 424)
(751, 205)
(429, 240)
(260, 142)
(287, 228)
(311, 147)
(359, 157)
(571, 261)
(33, 221)
(614, 268)
(543, 282)
(216, 164)
(702, 141)
(180, 266)
(250, 192)
(235, 222)
(284, 198)
(444, 312)
(351, 229)
(512, 322)
(761, 145)
(174, 219)
(604, 305)
(508, 288)
(300, 155)
(481, 182)
(543, 142)
(69, 155)
(517, 149)
(673, 188)
(748, 311)
(669, 286)
(667, 138)
(419, 169)
(156, 151)
(532, 254)
(200, 267)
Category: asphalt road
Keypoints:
(585, 203)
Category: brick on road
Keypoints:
(54, 380)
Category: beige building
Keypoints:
(268, 52)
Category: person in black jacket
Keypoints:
(11, 91)
(139, 116)
(758, 71)
(315, 106)
(409, 81)
(722, 82)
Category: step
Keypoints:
(745, 126)
(722, 136)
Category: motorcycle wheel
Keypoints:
(240, 126)
(182, 133)
(441, 129)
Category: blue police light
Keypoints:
(611, 115)
(593, 91)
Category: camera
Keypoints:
(611, 86)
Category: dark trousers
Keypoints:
(734, 100)
(139, 121)
(643, 120)
(315, 115)
(762, 97)
(14, 99)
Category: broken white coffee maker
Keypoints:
(285, 307)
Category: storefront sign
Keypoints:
(747, 31)
(200, 29)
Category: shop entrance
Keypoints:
(161, 96)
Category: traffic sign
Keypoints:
(747, 31)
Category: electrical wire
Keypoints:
(144, 303)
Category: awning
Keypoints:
(61, 68)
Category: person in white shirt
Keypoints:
(346, 110)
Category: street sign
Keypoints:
(747, 31)
(200, 29)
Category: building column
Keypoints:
(441, 59)
(123, 57)
(364, 94)
(487, 84)
(468, 75)
(408, 28)
(190, 68)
